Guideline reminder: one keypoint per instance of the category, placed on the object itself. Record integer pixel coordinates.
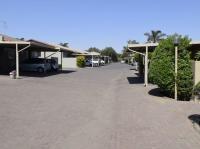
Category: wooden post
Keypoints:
(176, 67)
(146, 68)
(17, 61)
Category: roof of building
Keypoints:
(8, 40)
(152, 46)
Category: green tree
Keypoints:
(65, 44)
(109, 51)
(132, 42)
(125, 52)
(162, 71)
(94, 49)
(155, 36)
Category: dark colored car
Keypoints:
(35, 64)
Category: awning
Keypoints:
(88, 54)
(151, 46)
(41, 46)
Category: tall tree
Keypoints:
(93, 49)
(132, 42)
(154, 36)
(125, 52)
(109, 51)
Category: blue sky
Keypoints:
(99, 23)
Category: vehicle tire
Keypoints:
(40, 70)
(55, 69)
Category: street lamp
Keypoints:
(176, 44)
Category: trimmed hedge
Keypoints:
(161, 71)
(80, 61)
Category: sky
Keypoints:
(98, 23)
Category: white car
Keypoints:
(95, 62)
(102, 62)
(122, 61)
(92, 62)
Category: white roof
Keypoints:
(195, 42)
(93, 53)
(142, 45)
(154, 44)
(68, 49)
(14, 42)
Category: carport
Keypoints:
(94, 54)
(34, 46)
(106, 59)
(20, 50)
(90, 54)
(18, 46)
(49, 50)
(143, 50)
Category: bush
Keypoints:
(80, 61)
(161, 71)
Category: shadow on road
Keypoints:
(156, 92)
(135, 80)
(47, 74)
(195, 118)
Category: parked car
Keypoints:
(122, 61)
(54, 64)
(102, 62)
(94, 62)
(36, 64)
(88, 63)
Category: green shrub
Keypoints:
(161, 71)
(136, 57)
(80, 61)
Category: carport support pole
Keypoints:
(61, 59)
(176, 67)
(17, 61)
(146, 68)
(92, 60)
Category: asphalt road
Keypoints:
(99, 108)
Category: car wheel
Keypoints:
(40, 70)
(55, 69)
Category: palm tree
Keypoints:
(155, 36)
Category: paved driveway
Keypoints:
(100, 108)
